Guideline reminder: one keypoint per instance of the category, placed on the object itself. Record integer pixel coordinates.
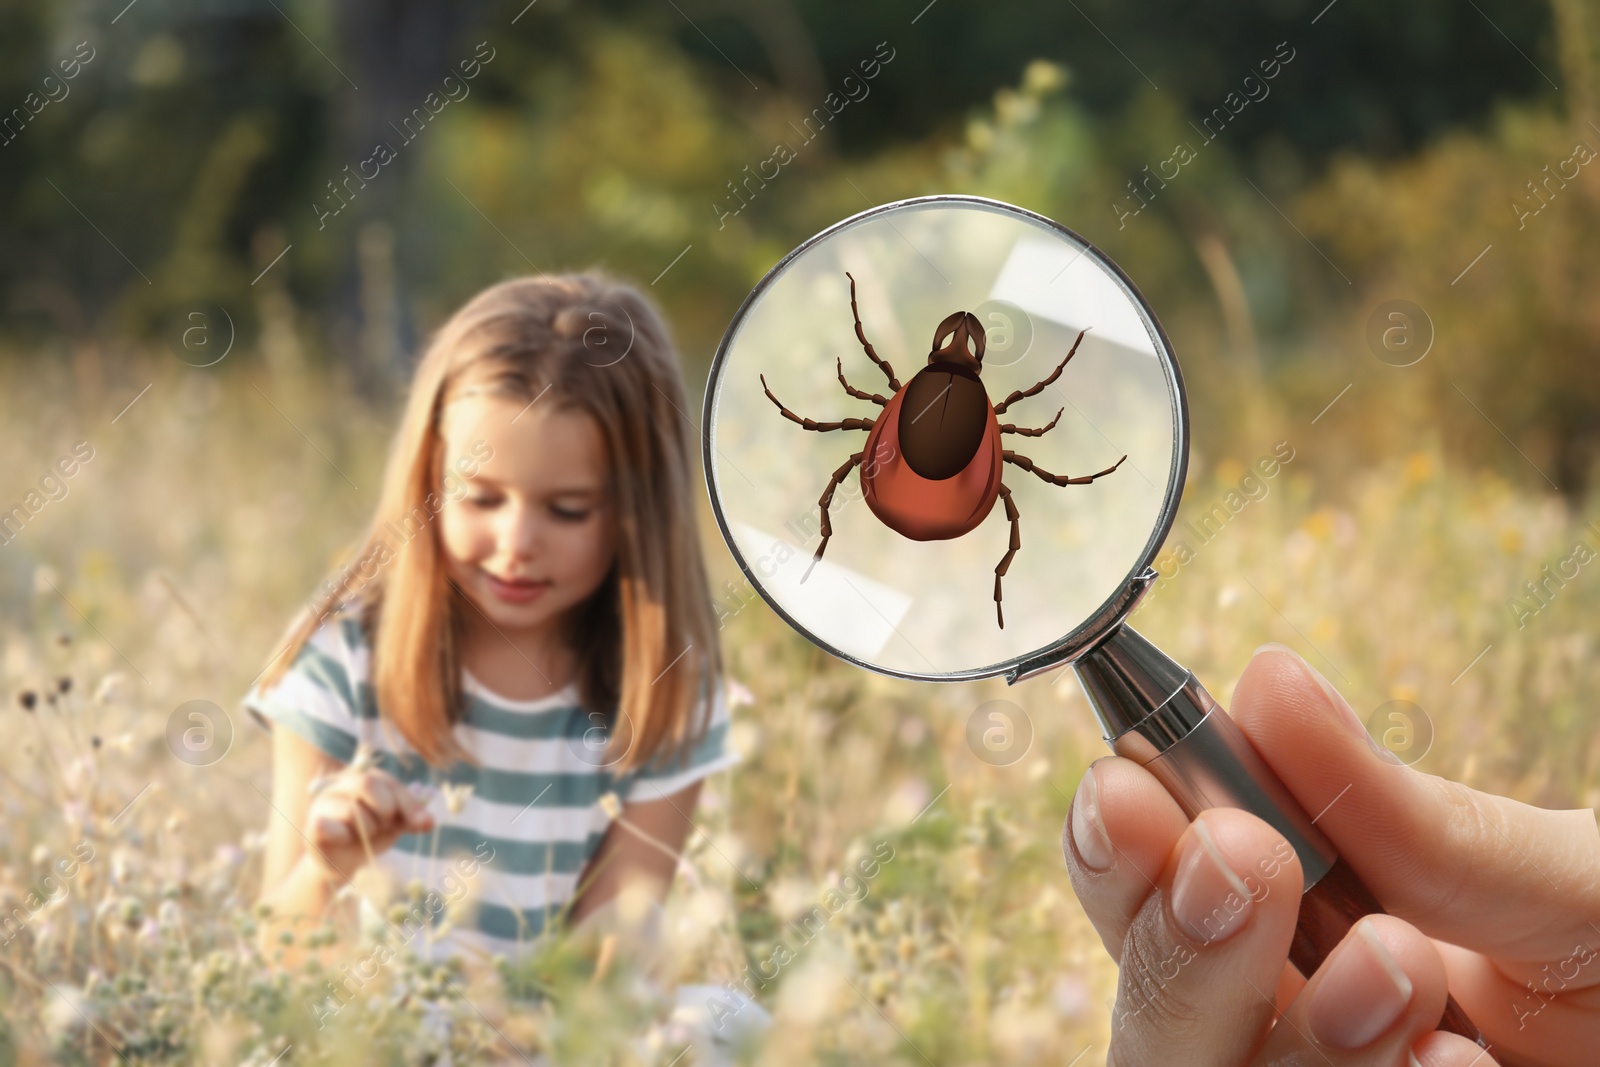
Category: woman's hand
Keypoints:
(361, 802)
(1199, 917)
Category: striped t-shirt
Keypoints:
(521, 837)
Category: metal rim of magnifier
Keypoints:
(1103, 619)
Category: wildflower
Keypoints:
(68, 1013)
(739, 695)
(455, 796)
(112, 688)
(364, 759)
(45, 579)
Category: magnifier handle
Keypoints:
(1155, 712)
(1214, 765)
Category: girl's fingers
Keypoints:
(410, 812)
(373, 789)
(1374, 1000)
(1204, 954)
(390, 805)
(348, 810)
(414, 808)
(404, 810)
(326, 831)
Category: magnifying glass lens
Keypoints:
(942, 435)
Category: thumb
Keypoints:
(1484, 872)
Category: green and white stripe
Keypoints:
(535, 797)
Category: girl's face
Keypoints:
(530, 531)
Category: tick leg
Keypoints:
(859, 394)
(1012, 516)
(883, 364)
(812, 424)
(827, 498)
(1055, 479)
(1038, 387)
(1025, 432)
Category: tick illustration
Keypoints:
(939, 436)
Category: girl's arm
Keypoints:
(315, 845)
(643, 843)
(293, 884)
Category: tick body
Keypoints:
(939, 440)
(938, 459)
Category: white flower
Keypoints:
(455, 796)
(45, 579)
(113, 689)
(68, 1011)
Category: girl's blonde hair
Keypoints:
(647, 638)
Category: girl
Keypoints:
(514, 690)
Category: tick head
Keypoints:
(959, 339)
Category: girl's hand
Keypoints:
(1511, 893)
(359, 802)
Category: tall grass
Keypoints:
(213, 505)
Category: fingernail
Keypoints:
(1411, 1059)
(1361, 995)
(1207, 897)
(1088, 831)
(1341, 706)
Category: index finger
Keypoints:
(1122, 827)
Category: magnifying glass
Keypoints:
(945, 439)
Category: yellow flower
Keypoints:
(1229, 471)
(1510, 541)
(1319, 524)
(1419, 468)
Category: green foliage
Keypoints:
(1517, 334)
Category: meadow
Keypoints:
(215, 504)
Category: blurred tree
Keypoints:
(1494, 237)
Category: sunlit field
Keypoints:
(211, 508)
